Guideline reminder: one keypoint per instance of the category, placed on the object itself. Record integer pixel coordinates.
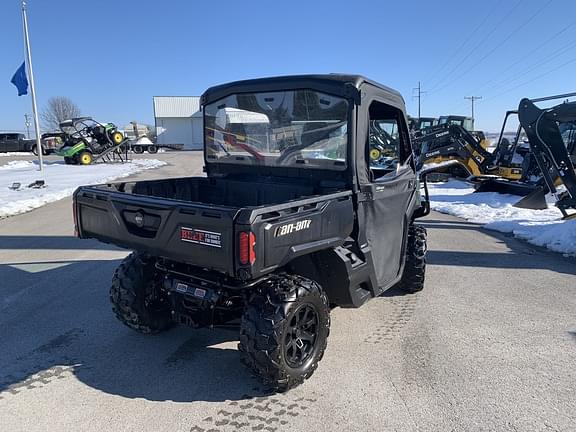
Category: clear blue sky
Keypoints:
(111, 57)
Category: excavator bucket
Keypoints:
(504, 187)
(536, 200)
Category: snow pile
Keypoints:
(496, 212)
(61, 181)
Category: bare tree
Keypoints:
(58, 109)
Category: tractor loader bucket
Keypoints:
(504, 187)
(536, 200)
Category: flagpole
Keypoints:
(32, 88)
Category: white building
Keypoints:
(179, 121)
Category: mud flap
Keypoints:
(536, 200)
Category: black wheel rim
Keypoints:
(301, 336)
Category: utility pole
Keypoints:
(32, 88)
(472, 99)
(418, 96)
(28, 124)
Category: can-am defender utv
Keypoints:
(293, 218)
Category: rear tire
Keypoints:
(284, 330)
(152, 149)
(415, 266)
(138, 149)
(135, 299)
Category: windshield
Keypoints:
(300, 128)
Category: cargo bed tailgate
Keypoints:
(187, 232)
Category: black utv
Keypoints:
(309, 202)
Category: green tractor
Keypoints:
(87, 140)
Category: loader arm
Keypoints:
(549, 149)
(450, 142)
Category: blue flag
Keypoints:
(20, 81)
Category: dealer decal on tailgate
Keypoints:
(207, 238)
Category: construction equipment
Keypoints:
(449, 142)
(420, 123)
(513, 167)
(139, 140)
(465, 122)
(539, 160)
(536, 163)
(547, 130)
(87, 140)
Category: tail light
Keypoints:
(247, 254)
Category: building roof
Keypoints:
(176, 106)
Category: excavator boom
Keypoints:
(550, 150)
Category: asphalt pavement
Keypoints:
(489, 345)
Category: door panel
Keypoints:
(385, 211)
(387, 190)
(13, 145)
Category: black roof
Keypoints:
(339, 84)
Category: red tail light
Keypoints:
(246, 250)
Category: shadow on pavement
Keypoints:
(521, 255)
(51, 242)
(509, 260)
(443, 224)
(395, 291)
(58, 328)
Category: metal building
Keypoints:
(178, 120)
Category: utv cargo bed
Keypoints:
(170, 218)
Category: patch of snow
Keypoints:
(496, 212)
(61, 181)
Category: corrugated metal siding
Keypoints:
(176, 106)
(178, 130)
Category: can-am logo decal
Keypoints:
(292, 227)
(207, 238)
(139, 219)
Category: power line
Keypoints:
(457, 51)
(473, 99)
(534, 79)
(532, 51)
(522, 25)
(541, 62)
(27, 123)
(498, 24)
(418, 96)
